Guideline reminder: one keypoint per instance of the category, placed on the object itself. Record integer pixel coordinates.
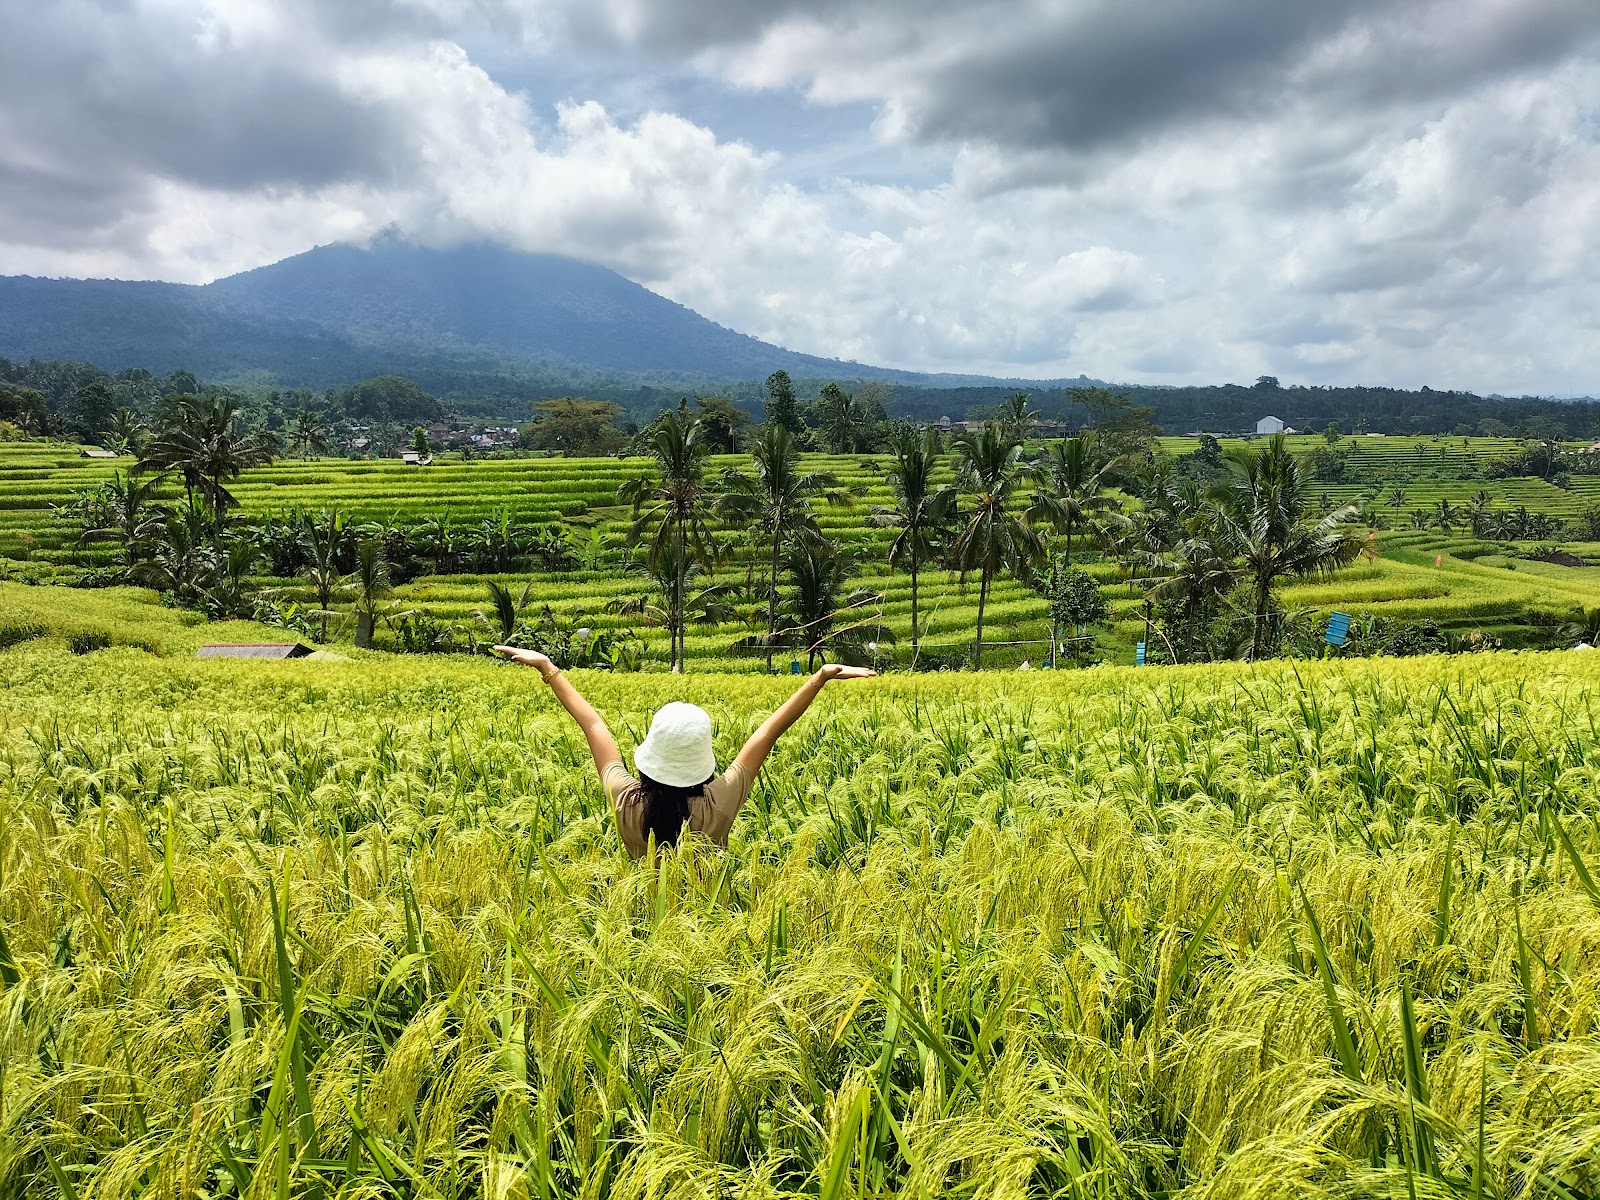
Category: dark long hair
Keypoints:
(666, 808)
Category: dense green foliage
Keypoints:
(1235, 408)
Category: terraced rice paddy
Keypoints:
(364, 928)
(1461, 594)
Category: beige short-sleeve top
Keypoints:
(711, 813)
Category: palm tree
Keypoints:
(1017, 418)
(1138, 538)
(777, 500)
(1196, 569)
(553, 546)
(1267, 522)
(1196, 572)
(922, 513)
(439, 539)
(674, 509)
(1446, 516)
(1419, 518)
(499, 540)
(203, 444)
(324, 536)
(819, 573)
(993, 538)
(1478, 509)
(1074, 476)
(180, 562)
(309, 433)
(845, 421)
(123, 515)
(370, 581)
(225, 592)
(1397, 497)
(506, 609)
(710, 606)
(123, 430)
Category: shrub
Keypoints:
(570, 645)
(953, 659)
(86, 641)
(1076, 601)
(420, 632)
(17, 629)
(1398, 639)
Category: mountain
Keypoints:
(341, 312)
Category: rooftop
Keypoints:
(253, 650)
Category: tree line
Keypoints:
(77, 399)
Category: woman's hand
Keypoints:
(528, 658)
(839, 671)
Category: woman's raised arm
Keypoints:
(601, 744)
(760, 744)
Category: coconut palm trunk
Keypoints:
(993, 539)
(678, 506)
(678, 606)
(1263, 602)
(983, 601)
(775, 502)
(916, 628)
(772, 598)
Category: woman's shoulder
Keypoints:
(732, 783)
(622, 787)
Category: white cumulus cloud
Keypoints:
(1206, 190)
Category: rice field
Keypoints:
(364, 928)
(1461, 593)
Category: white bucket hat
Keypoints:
(677, 751)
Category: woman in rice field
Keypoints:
(677, 780)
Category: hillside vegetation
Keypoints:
(456, 318)
(591, 575)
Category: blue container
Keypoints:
(1338, 629)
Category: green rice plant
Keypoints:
(364, 927)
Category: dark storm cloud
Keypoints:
(1081, 75)
(1122, 71)
(100, 96)
(1127, 72)
(98, 100)
(38, 206)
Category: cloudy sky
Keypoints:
(1374, 191)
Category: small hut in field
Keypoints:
(253, 650)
